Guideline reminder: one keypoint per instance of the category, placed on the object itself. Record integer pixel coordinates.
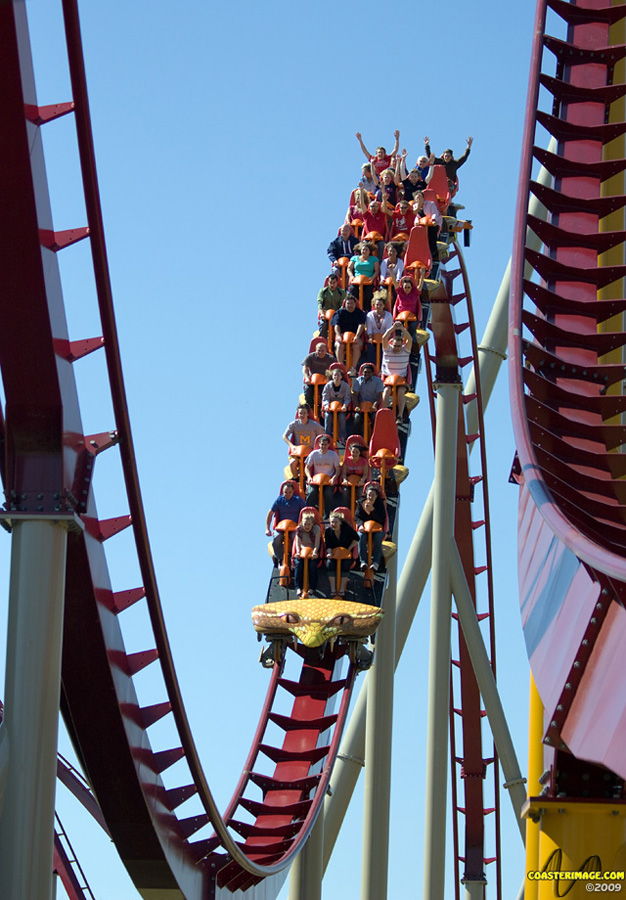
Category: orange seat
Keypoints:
(357, 439)
(335, 407)
(373, 236)
(353, 482)
(315, 341)
(388, 282)
(394, 382)
(300, 454)
(331, 443)
(318, 381)
(345, 512)
(365, 407)
(339, 554)
(361, 281)
(285, 526)
(438, 185)
(348, 338)
(405, 317)
(378, 340)
(418, 249)
(357, 224)
(342, 263)
(321, 480)
(384, 443)
(370, 528)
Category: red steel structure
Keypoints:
(452, 323)
(566, 390)
(48, 467)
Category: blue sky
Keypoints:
(226, 149)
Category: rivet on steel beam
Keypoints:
(568, 686)
(576, 665)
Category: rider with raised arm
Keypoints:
(382, 160)
(397, 343)
(417, 178)
(450, 164)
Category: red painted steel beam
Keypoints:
(571, 589)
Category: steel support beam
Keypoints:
(436, 784)
(31, 713)
(307, 871)
(378, 745)
(486, 681)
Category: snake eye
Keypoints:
(290, 618)
(341, 620)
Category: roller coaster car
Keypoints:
(315, 622)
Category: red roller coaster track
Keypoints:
(49, 465)
(566, 388)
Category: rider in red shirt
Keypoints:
(382, 160)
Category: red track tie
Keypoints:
(123, 599)
(96, 443)
(289, 724)
(106, 528)
(146, 716)
(291, 810)
(478, 524)
(192, 824)
(581, 15)
(162, 760)
(248, 829)
(39, 115)
(135, 662)
(59, 240)
(177, 796)
(73, 350)
(152, 714)
(278, 755)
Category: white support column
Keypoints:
(474, 890)
(481, 665)
(448, 398)
(378, 734)
(307, 871)
(31, 711)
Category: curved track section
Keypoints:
(567, 371)
(167, 846)
(49, 468)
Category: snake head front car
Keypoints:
(315, 621)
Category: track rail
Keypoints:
(567, 371)
(471, 770)
(162, 848)
(43, 425)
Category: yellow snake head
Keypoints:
(315, 621)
